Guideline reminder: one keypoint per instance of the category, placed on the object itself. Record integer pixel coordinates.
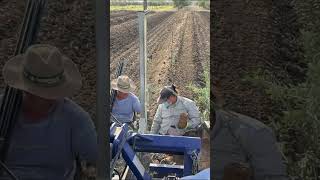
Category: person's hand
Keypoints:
(135, 124)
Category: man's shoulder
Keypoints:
(185, 100)
(73, 109)
(240, 120)
(133, 97)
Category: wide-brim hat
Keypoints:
(43, 71)
(123, 84)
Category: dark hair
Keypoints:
(173, 87)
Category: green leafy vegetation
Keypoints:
(140, 8)
(204, 3)
(181, 3)
(202, 96)
(297, 122)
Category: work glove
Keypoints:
(183, 121)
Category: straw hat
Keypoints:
(43, 71)
(123, 84)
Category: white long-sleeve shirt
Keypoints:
(166, 117)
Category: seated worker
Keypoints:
(51, 131)
(175, 114)
(126, 103)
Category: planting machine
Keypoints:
(127, 143)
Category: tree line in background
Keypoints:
(204, 3)
(140, 2)
(176, 3)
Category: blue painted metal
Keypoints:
(162, 170)
(187, 161)
(130, 143)
(163, 143)
(134, 163)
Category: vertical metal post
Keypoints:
(145, 5)
(143, 70)
(103, 65)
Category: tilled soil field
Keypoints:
(70, 27)
(178, 50)
(178, 47)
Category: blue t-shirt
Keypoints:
(47, 150)
(123, 109)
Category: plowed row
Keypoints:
(178, 50)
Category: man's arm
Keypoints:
(193, 114)
(156, 122)
(84, 144)
(137, 106)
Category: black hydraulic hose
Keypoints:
(11, 102)
(3, 166)
(10, 98)
(10, 92)
(24, 28)
(118, 173)
(124, 171)
(118, 73)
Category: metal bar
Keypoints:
(24, 27)
(164, 144)
(187, 161)
(9, 97)
(134, 163)
(30, 36)
(145, 5)
(12, 176)
(143, 70)
(11, 103)
(102, 20)
(162, 170)
(9, 92)
(12, 97)
(119, 71)
(119, 142)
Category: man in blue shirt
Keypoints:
(51, 131)
(126, 103)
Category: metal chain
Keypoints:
(195, 162)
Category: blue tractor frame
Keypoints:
(129, 143)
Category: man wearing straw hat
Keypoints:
(126, 103)
(51, 130)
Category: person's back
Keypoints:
(242, 139)
(47, 150)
